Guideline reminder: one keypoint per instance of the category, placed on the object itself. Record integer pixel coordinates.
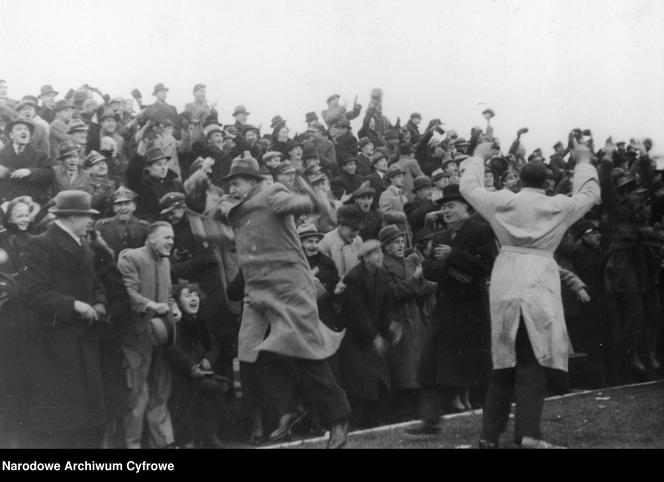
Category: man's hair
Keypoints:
(534, 174)
(186, 285)
(158, 224)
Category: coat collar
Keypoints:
(65, 241)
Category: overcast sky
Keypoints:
(550, 65)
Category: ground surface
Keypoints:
(620, 417)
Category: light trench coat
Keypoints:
(279, 284)
(525, 279)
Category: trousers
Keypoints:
(149, 381)
(526, 383)
(279, 378)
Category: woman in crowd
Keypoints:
(17, 220)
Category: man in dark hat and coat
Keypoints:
(348, 182)
(372, 220)
(457, 353)
(412, 126)
(240, 114)
(421, 205)
(47, 97)
(345, 141)
(27, 110)
(160, 111)
(62, 113)
(364, 166)
(24, 171)
(65, 301)
(151, 179)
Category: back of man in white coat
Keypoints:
(528, 327)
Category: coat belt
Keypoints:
(523, 250)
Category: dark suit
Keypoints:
(65, 372)
(37, 184)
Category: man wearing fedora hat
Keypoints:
(345, 142)
(336, 113)
(456, 356)
(146, 333)
(325, 273)
(160, 111)
(348, 181)
(364, 167)
(372, 220)
(78, 132)
(280, 292)
(47, 97)
(378, 177)
(99, 184)
(371, 331)
(392, 201)
(107, 125)
(24, 171)
(62, 115)
(327, 153)
(151, 179)
(123, 230)
(68, 173)
(412, 126)
(526, 308)
(342, 244)
(199, 108)
(27, 110)
(240, 115)
(310, 118)
(66, 300)
(421, 205)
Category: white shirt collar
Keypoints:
(68, 231)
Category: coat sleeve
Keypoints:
(42, 175)
(38, 284)
(572, 281)
(199, 262)
(433, 269)
(283, 201)
(473, 190)
(402, 289)
(585, 193)
(358, 317)
(134, 172)
(416, 213)
(478, 261)
(131, 278)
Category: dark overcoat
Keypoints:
(458, 349)
(13, 339)
(66, 391)
(366, 311)
(403, 359)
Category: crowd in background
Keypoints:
(400, 259)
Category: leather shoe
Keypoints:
(338, 435)
(487, 444)
(533, 443)
(286, 424)
(424, 427)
